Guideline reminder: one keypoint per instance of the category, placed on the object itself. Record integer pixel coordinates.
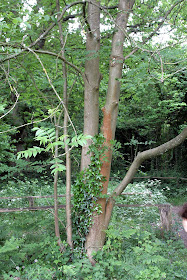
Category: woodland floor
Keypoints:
(177, 224)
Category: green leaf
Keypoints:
(47, 18)
(59, 143)
(28, 25)
(17, 20)
(61, 167)
(35, 153)
(26, 154)
(54, 19)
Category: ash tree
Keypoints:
(61, 49)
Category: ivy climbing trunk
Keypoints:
(96, 236)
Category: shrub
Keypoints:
(130, 254)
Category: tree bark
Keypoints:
(92, 77)
(96, 237)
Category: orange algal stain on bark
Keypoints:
(107, 132)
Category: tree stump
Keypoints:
(165, 217)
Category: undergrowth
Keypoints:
(134, 248)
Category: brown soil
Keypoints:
(177, 224)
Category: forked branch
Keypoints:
(142, 156)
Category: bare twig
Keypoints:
(58, 96)
(154, 31)
(45, 33)
(12, 89)
(33, 122)
(162, 69)
(62, 58)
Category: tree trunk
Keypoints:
(92, 77)
(96, 236)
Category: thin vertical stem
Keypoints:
(57, 231)
(67, 151)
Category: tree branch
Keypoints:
(13, 89)
(52, 86)
(32, 122)
(46, 32)
(71, 16)
(39, 51)
(85, 18)
(109, 8)
(62, 58)
(155, 31)
(142, 156)
(35, 85)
